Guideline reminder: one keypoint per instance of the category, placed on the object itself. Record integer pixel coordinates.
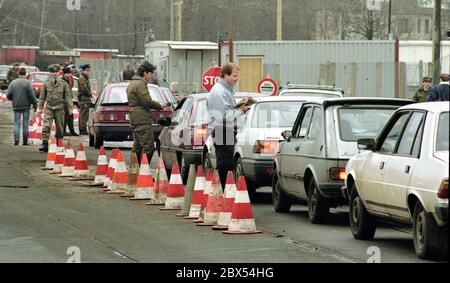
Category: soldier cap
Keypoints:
(67, 70)
(427, 79)
(84, 67)
(148, 66)
(54, 68)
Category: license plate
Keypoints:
(127, 117)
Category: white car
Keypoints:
(307, 91)
(402, 177)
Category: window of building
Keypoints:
(427, 26)
(419, 26)
(403, 26)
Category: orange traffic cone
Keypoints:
(102, 168)
(69, 162)
(111, 168)
(242, 220)
(59, 160)
(81, 166)
(53, 130)
(32, 131)
(133, 175)
(175, 194)
(120, 179)
(215, 199)
(227, 204)
(208, 187)
(51, 156)
(144, 186)
(161, 186)
(197, 197)
(38, 133)
(188, 192)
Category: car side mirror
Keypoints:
(166, 122)
(366, 144)
(287, 135)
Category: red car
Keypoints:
(109, 119)
(37, 81)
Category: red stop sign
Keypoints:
(211, 77)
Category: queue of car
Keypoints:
(386, 159)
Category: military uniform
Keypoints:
(141, 119)
(68, 114)
(12, 75)
(55, 95)
(84, 101)
(421, 95)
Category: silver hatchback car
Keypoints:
(310, 165)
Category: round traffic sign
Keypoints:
(268, 86)
(211, 77)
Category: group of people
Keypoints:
(58, 99)
(428, 93)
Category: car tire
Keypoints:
(362, 224)
(430, 240)
(207, 165)
(281, 202)
(98, 141)
(184, 169)
(318, 206)
(91, 140)
(251, 187)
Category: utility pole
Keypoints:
(279, 20)
(230, 31)
(390, 20)
(172, 21)
(437, 37)
(179, 20)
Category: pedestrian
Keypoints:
(424, 92)
(441, 91)
(13, 73)
(84, 98)
(128, 73)
(55, 96)
(68, 114)
(140, 103)
(224, 113)
(21, 93)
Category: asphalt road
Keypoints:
(44, 218)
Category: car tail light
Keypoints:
(337, 174)
(200, 135)
(108, 117)
(266, 147)
(443, 190)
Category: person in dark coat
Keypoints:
(441, 91)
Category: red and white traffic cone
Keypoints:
(120, 179)
(111, 168)
(59, 160)
(69, 162)
(144, 186)
(197, 197)
(133, 175)
(162, 185)
(175, 194)
(227, 204)
(53, 130)
(215, 199)
(81, 166)
(206, 191)
(242, 220)
(38, 133)
(102, 168)
(51, 156)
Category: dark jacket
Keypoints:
(21, 93)
(128, 75)
(12, 75)
(84, 89)
(140, 102)
(440, 93)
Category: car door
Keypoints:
(400, 166)
(372, 171)
(290, 155)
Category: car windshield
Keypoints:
(40, 77)
(4, 71)
(442, 142)
(362, 123)
(118, 95)
(312, 94)
(170, 96)
(275, 114)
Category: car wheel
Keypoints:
(281, 202)
(318, 206)
(184, 168)
(430, 241)
(91, 140)
(98, 141)
(362, 224)
(207, 165)
(251, 188)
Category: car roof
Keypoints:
(328, 102)
(42, 73)
(434, 107)
(283, 98)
